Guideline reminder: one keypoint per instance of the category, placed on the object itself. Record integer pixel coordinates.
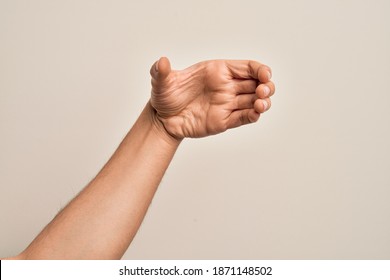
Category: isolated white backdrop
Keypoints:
(309, 180)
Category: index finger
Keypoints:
(249, 69)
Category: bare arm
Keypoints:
(103, 219)
(204, 99)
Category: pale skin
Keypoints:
(205, 99)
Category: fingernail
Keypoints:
(265, 105)
(266, 91)
(269, 75)
(157, 65)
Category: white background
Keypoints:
(310, 180)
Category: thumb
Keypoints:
(161, 69)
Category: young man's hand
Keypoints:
(209, 97)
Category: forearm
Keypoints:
(103, 219)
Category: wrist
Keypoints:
(159, 128)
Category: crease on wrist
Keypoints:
(160, 127)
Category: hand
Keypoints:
(210, 97)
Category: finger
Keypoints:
(160, 69)
(265, 90)
(245, 86)
(249, 69)
(262, 105)
(244, 101)
(242, 117)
